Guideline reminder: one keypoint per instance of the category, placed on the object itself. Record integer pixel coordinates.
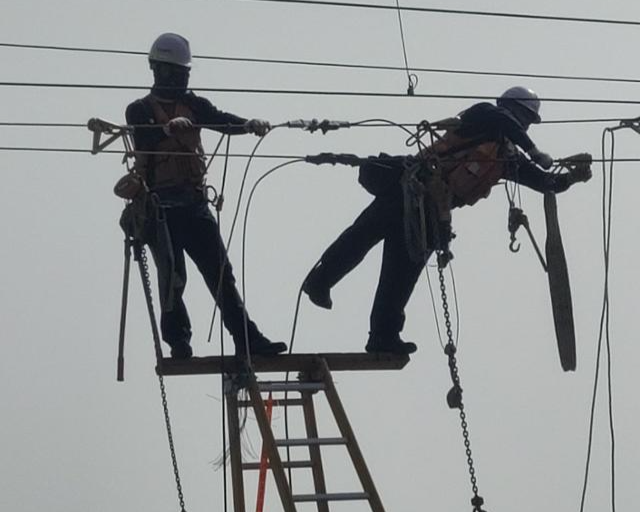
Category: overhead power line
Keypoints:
(371, 94)
(342, 65)
(20, 124)
(525, 16)
(36, 149)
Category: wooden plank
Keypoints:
(282, 363)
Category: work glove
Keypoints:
(178, 125)
(544, 160)
(258, 126)
(581, 168)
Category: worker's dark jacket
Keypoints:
(483, 123)
(185, 216)
(383, 219)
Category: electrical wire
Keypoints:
(604, 332)
(342, 65)
(305, 92)
(36, 149)
(33, 124)
(496, 14)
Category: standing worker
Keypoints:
(175, 178)
(475, 153)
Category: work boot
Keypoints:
(319, 294)
(391, 344)
(181, 350)
(260, 345)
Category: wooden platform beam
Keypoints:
(282, 363)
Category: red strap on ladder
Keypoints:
(264, 460)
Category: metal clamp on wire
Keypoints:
(634, 124)
(312, 125)
(335, 158)
(100, 126)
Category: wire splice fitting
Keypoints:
(335, 158)
(312, 125)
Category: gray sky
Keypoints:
(73, 439)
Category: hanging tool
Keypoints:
(123, 309)
(579, 167)
(559, 286)
(518, 218)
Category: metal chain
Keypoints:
(146, 284)
(454, 397)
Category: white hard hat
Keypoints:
(524, 97)
(171, 48)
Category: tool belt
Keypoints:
(427, 204)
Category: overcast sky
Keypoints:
(73, 439)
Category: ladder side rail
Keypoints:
(315, 454)
(352, 444)
(270, 445)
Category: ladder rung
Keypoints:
(339, 496)
(293, 402)
(294, 464)
(311, 441)
(290, 386)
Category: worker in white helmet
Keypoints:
(477, 151)
(166, 123)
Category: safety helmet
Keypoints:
(523, 97)
(171, 48)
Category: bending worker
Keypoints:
(175, 178)
(475, 153)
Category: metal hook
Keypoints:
(512, 245)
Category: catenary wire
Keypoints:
(343, 65)
(411, 78)
(494, 14)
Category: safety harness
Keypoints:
(180, 158)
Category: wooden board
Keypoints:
(282, 363)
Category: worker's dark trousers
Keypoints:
(193, 229)
(381, 220)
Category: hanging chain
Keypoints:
(454, 397)
(141, 253)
